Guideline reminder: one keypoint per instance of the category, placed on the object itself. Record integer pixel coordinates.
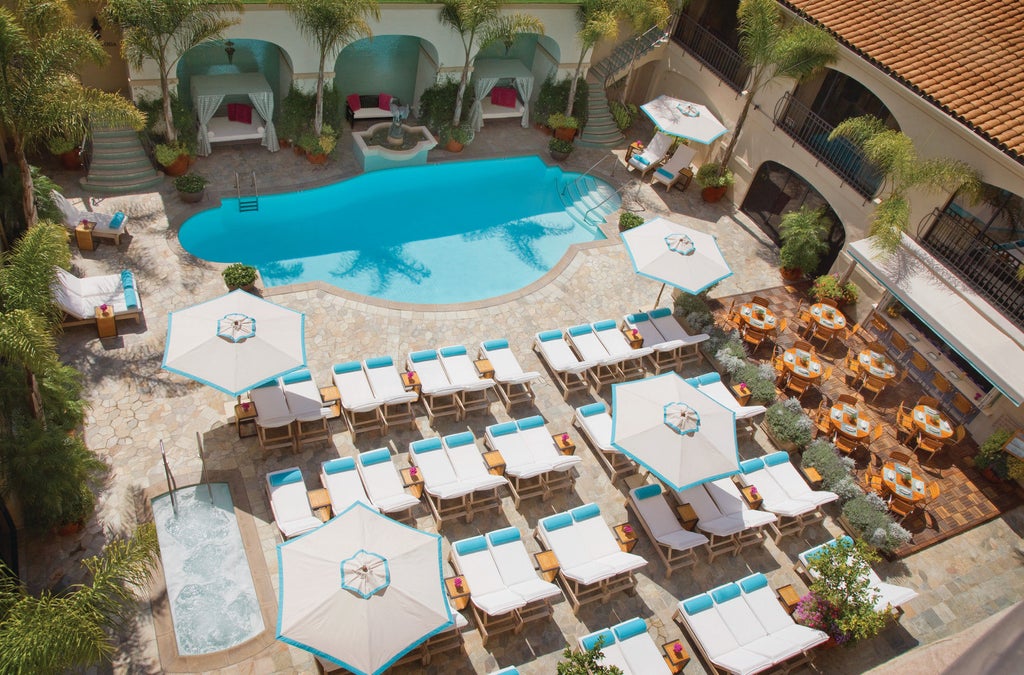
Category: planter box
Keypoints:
(788, 446)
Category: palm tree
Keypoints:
(773, 50)
(331, 24)
(481, 19)
(163, 30)
(597, 20)
(41, 50)
(642, 15)
(56, 632)
(892, 153)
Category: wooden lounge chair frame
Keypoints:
(364, 421)
(440, 405)
(672, 558)
(471, 400)
(491, 625)
(580, 594)
(274, 438)
(615, 463)
(311, 431)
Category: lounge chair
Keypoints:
(596, 424)
(677, 168)
(631, 360)
(888, 597)
(274, 420)
(513, 383)
(711, 384)
(731, 502)
(494, 605)
(674, 544)
(784, 492)
(447, 496)
(525, 474)
(606, 367)
(360, 406)
(382, 482)
(570, 373)
(671, 330)
(471, 469)
(653, 154)
(343, 484)
(724, 531)
(629, 646)
(303, 398)
(665, 354)
(709, 632)
(777, 622)
(387, 385)
(438, 394)
(108, 226)
(462, 373)
(540, 442)
(591, 564)
(289, 503)
(79, 298)
(516, 569)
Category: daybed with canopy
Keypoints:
(209, 91)
(489, 73)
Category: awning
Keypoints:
(956, 313)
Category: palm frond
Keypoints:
(28, 271)
(760, 29)
(858, 130)
(888, 223)
(803, 50)
(505, 29)
(950, 175)
(26, 338)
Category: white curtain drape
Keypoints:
(263, 101)
(206, 106)
(524, 86)
(482, 86)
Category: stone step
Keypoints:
(119, 164)
(107, 163)
(124, 187)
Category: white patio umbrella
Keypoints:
(235, 342)
(361, 590)
(677, 255)
(680, 118)
(678, 433)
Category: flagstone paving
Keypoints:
(135, 405)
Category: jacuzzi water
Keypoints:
(440, 233)
(209, 586)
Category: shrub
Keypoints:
(184, 120)
(237, 275)
(437, 104)
(828, 286)
(830, 465)
(562, 121)
(168, 153)
(61, 144)
(629, 220)
(842, 601)
(871, 519)
(714, 174)
(326, 142)
(190, 182)
(991, 454)
(788, 423)
(623, 114)
(732, 357)
(803, 239)
(761, 386)
(462, 133)
(558, 145)
(297, 108)
(554, 96)
(695, 310)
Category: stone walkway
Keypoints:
(135, 405)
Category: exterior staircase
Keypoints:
(600, 131)
(587, 200)
(119, 164)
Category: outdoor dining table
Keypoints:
(801, 364)
(827, 316)
(848, 421)
(931, 422)
(758, 317)
(877, 364)
(904, 483)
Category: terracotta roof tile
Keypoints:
(964, 57)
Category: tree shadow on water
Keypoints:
(520, 238)
(281, 273)
(383, 264)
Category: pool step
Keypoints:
(588, 200)
(248, 204)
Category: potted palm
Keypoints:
(714, 180)
(190, 187)
(803, 242)
(238, 275)
(829, 286)
(174, 157)
(68, 150)
(565, 126)
(560, 149)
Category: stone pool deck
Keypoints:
(134, 405)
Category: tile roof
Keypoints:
(964, 57)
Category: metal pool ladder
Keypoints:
(248, 202)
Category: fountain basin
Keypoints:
(376, 157)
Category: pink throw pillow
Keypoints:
(504, 96)
(384, 101)
(353, 102)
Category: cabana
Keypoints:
(209, 91)
(490, 73)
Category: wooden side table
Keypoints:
(331, 397)
(106, 326)
(676, 659)
(753, 500)
(83, 235)
(687, 516)
(812, 476)
(413, 482)
(547, 563)
(495, 462)
(788, 597)
(634, 148)
(320, 502)
(411, 381)
(484, 367)
(565, 443)
(245, 414)
(626, 536)
(458, 592)
(742, 394)
(633, 336)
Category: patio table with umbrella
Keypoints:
(235, 342)
(361, 590)
(684, 119)
(676, 255)
(681, 435)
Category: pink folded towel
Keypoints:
(243, 113)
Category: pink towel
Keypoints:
(232, 112)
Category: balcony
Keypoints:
(717, 56)
(811, 131)
(985, 264)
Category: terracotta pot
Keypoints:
(178, 167)
(283, 143)
(72, 160)
(558, 156)
(316, 158)
(791, 273)
(991, 475)
(69, 529)
(191, 197)
(565, 133)
(454, 146)
(713, 194)
(299, 151)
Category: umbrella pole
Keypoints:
(659, 297)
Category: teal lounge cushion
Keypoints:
(753, 582)
(647, 491)
(349, 367)
(300, 375)
(491, 345)
(725, 593)
(503, 429)
(530, 422)
(605, 637)
(592, 409)
(709, 378)
(638, 318)
(504, 536)
(580, 330)
(426, 445)
(549, 335)
(425, 355)
(660, 312)
(116, 221)
(665, 173)
(379, 362)
(585, 512)
(285, 477)
(697, 604)
(471, 545)
(265, 385)
(631, 628)
(339, 465)
(458, 440)
(131, 297)
(556, 522)
(607, 324)
(456, 350)
(751, 465)
(776, 458)
(377, 456)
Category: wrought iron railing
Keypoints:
(812, 132)
(985, 264)
(712, 52)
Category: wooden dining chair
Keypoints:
(826, 376)
(929, 445)
(821, 333)
(919, 362)
(830, 302)
(962, 405)
(754, 337)
(797, 385)
(873, 481)
(901, 508)
(876, 432)
(848, 399)
(899, 345)
(845, 444)
(876, 346)
(932, 492)
(942, 385)
(822, 420)
(758, 300)
(804, 345)
(783, 324)
(872, 383)
(901, 457)
(928, 401)
(879, 326)
(959, 434)
(852, 332)
(904, 423)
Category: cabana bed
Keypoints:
(209, 91)
(491, 73)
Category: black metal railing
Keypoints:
(980, 261)
(811, 131)
(712, 52)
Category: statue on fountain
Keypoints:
(396, 134)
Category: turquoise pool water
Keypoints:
(440, 233)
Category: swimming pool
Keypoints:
(440, 233)
(210, 589)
